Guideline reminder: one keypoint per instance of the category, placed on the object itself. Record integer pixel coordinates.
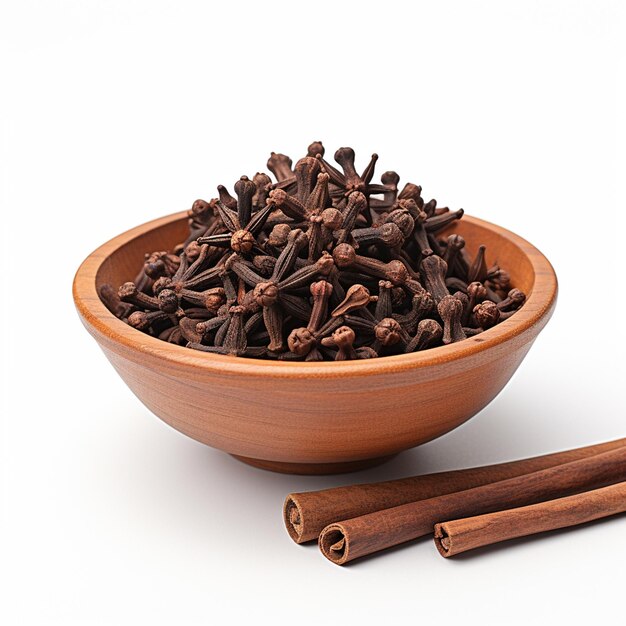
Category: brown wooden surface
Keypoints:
(319, 413)
(351, 539)
(306, 514)
(482, 530)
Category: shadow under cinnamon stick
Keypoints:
(347, 540)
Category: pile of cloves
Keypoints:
(321, 265)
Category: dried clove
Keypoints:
(322, 264)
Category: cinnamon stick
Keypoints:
(306, 513)
(350, 539)
(474, 532)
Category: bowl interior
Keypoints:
(124, 262)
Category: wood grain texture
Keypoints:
(482, 530)
(315, 413)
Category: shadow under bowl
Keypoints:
(315, 418)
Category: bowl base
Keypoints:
(314, 468)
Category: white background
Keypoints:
(114, 113)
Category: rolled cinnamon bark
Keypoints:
(306, 513)
(350, 539)
(482, 530)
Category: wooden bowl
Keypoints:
(315, 417)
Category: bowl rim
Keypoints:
(101, 322)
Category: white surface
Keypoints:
(117, 112)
